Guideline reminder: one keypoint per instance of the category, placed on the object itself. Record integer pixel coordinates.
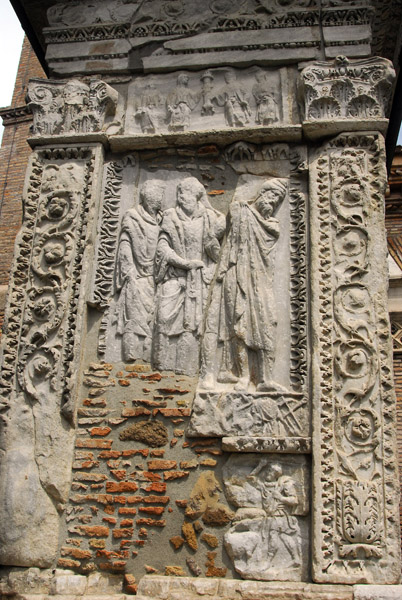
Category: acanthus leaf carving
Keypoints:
(71, 107)
(343, 88)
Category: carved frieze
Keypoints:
(268, 536)
(39, 353)
(347, 89)
(212, 99)
(356, 497)
(183, 33)
(72, 107)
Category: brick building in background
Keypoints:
(14, 154)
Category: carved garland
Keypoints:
(106, 253)
(356, 477)
(298, 270)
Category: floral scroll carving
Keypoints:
(356, 520)
(343, 88)
(38, 375)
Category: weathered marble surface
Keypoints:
(355, 489)
(267, 539)
(39, 352)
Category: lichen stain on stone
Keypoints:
(204, 501)
(151, 433)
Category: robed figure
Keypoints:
(243, 307)
(185, 261)
(134, 314)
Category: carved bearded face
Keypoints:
(267, 202)
(189, 192)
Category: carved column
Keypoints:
(355, 478)
(40, 351)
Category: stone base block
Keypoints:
(188, 588)
(377, 592)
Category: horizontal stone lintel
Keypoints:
(164, 588)
(122, 143)
(320, 128)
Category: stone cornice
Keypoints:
(15, 114)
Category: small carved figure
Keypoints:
(279, 500)
(267, 107)
(207, 108)
(187, 251)
(147, 109)
(246, 315)
(134, 273)
(233, 98)
(180, 103)
(76, 100)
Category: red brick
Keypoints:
(144, 452)
(156, 487)
(93, 530)
(151, 522)
(156, 499)
(170, 475)
(157, 453)
(172, 412)
(123, 533)
(151, 476)
(110, 454)
(134, 499)
(68, 563)
(135, 412)
(110, 520)
(160, 465)
(119, 473)
(121, 486)
(126, 523)
(127, 511)
(94, 444)
(100, 430)
(152, 510)
(76, 553)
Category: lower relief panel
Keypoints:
(198, 351)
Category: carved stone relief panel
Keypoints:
(356, 489)
(39, 353)
(268, 537)
(183, 34)
(215, 98)
(73, 106)
(347, 89)
(175, 295)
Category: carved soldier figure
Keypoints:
(134, 313)
(187, 251)
(243, 310)
(180, 102)
(279, 500)
(267, 107)
(235, 101)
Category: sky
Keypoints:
(11, 37)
